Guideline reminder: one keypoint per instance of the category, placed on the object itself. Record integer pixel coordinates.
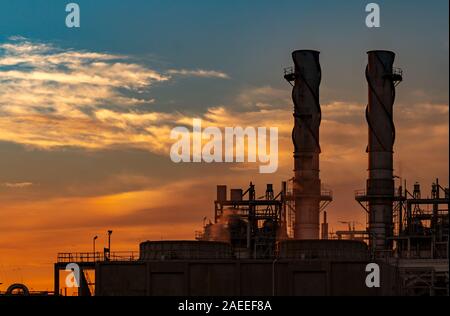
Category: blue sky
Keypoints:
(250, 40)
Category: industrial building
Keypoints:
(276, 244)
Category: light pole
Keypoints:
(94, 239)
(109, 243)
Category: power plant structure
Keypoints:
(275, 244)
(251, 225)
(382, 79)
(306, 137)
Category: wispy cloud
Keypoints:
(17, 185)
(37, 75)
(198, 73)
(50, 97)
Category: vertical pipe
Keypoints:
(436, 196)
(249, 235)
(325, 226)
(308, 116)
(400, 213)
(380, 185)
(251, 224)
(56, 280)
(284, 230)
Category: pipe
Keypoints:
(325, 226)
(273, 277)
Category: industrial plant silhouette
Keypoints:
(277, 245)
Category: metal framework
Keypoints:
(253, 224)
(87, 261)
(424, 281)
(420, 244)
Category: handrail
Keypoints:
(91, 257)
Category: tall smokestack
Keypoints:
(381, 79)
(308, 116)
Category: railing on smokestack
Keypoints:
(289, 75)
(326, 199)
(396, 76)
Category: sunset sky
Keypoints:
(86, 114)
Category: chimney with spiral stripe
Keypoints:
(308, 116)
(382, 79)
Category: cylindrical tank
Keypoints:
(336, 250)
(308, 117)
(184, 250)
(380, 185)
(17, 289)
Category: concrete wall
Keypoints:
(239, 278)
